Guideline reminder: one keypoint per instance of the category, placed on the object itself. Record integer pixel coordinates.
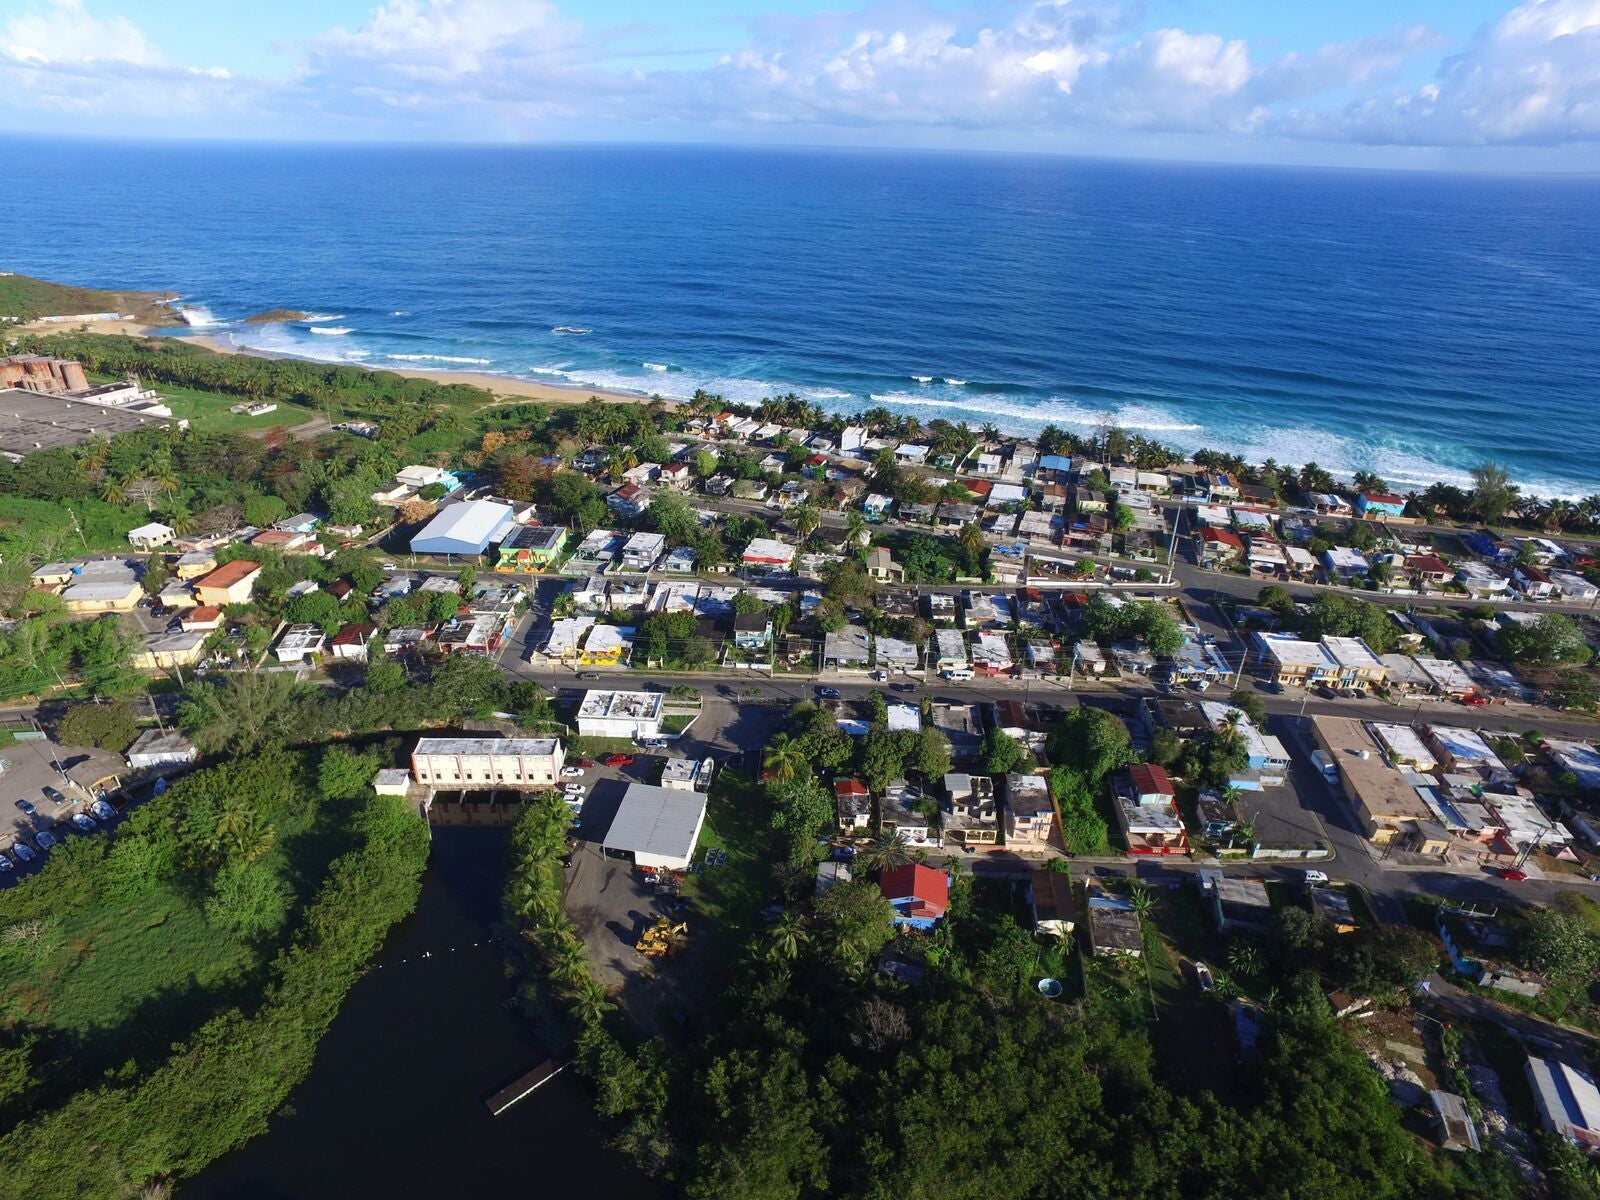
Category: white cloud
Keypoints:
(1029, 68)
(1530, 78)
(66, 33)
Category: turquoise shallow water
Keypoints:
(1410, 323)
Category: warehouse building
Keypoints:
(466, 528)
(656, 827)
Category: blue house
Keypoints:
(1056, 463)
(1378, 504)
(1487, 547)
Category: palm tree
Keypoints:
(883, 853)
(1142, 899)
(805, 519)
(971, 539)
(591, 1002)
(784, 758)
(1244, 958)
(787, 937)
(855, 525)
(567, 963)
(112, 491)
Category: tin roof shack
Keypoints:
(1456, 1130)
(971, 819)
(1235, 903)
(656, 827)
(1055, 908)
(1567, 1100)
(1111, 924)
(1385, 797)
(1332, 905)
(157, 752)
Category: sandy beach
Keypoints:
(502, 386)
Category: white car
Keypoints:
(572, 789)
(102, 810)
(572, 772)
(44, 839)
(83, 822)
(24, 852)
(6, 864)
(1316, 877)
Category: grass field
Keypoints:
(209, 411)
(728, 899)
(27, 298)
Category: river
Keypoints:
(394, 1103)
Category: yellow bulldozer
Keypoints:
(662, 938)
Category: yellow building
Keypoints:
(231, 583)
(169, 651)
(102, 596)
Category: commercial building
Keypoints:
(231, 583)
(465, 528)
(1357, 665)
(620, 714)
(1385, 798)
(516, 764)
(656, 828)
(32, 421)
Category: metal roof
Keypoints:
(461, 528)
(656, 821)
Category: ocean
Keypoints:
(1411, 324)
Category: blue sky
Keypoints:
(1443, 83)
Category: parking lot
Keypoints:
(31, 767)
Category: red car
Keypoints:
(618, 760)
(1474, 701)
(1513, 874)
(583, 763)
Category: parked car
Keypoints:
(878, 676)
(904, 687)
(654, 743)
(101, 810)
(6, 864)
(827, 693)
(583, 763)
(24, 852)
(1474, 701)
(1513, 874)
(1316, 877)
(26, 807)
(44, 839)
(618, 760)
(571, 773)
(53, 795)
(572, 789)
(1203, 977)
(83, 822)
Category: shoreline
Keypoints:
(504, 386)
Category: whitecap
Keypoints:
(444, 358)
(575, 330)
(330, 330)
(655, 366)
(955, 382)
(400, 312)
(923, 378)
(198, 316)
(319, 318)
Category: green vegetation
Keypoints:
(25, 299)
(165, 984)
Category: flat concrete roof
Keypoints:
(535, 747)
(32, 421)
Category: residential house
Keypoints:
(231, 583)
(1220, 547)
(950, 650)
(195, 563)
(204, 619)
(629, 501)
(1533, 582)
(893, 654)
(286, 541)
(169, 651)
(642, 551)
(752, 631)
(1403, 676)
(852, 805)
(1055, 909)
(103, 591)
(1446, 677)
(1030, 815)
(1573, 586)
(1219, 486)
(792, 494)
(350, 643)
(1457, 1131)
(643, 474)
(678, 475)
(1332, 905)
(1345, 562)
(876, 507)
(679, 561)
(606, 646)
(918, 894)
(148, 537)
(991, 654)
(1480, 581)
(159, 751)
(1429, 568)
(881, 565)
(1147, 811)
(846, 649)
(971, 820)
(299, 643)
(1330, 505)
(898, 815)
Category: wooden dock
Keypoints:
(525, 1086)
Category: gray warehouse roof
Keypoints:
(656, 821)
(36, 421)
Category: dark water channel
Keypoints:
(394, 1106)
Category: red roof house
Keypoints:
(918, 893)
